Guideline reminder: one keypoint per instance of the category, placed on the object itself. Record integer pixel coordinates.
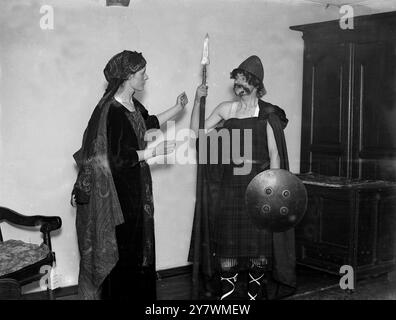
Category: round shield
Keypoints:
(276, 200)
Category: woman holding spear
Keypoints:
(225, 241)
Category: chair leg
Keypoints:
(10, 289)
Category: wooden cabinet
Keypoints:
(348, 145)
(348, 222)
(349, 98)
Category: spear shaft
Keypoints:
(200, 220)
(202, 102)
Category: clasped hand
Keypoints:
(182, 100)
(202, 91)
(165, 147)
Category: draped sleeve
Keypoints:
(150, 120)
(122, 148)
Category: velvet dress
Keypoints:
(134, 275)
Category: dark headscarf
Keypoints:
(121, 66)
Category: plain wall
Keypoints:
(51, 81)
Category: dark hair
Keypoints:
(251, 79)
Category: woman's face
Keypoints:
(138, 80)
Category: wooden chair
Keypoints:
(22, 261)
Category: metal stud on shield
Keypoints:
(276, 200)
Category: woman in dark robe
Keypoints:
(113, 191)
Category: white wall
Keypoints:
(52, 79)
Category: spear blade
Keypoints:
(205, 52)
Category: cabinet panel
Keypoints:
(328, 76)
(309, 226)
(386, 245)
(325, 163)
(374, 118)
(335, 219)
(367, 231)
(324, 130)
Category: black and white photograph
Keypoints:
(197, 157)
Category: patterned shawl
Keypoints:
(98, 207)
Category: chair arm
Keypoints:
(47, 224)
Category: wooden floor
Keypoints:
(312, 285)
(179, 288)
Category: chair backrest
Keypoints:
(14, 217)
(19, 219)
(47, 223)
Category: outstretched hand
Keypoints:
(182, 100)
(165, 147)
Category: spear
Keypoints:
(200, 218)
(204, 63)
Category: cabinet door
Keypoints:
(324, 137)
(323, 235)
(374, 117)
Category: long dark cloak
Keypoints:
(208, 188)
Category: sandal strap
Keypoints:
(232, 281)
(253, 279)
(252, 297)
